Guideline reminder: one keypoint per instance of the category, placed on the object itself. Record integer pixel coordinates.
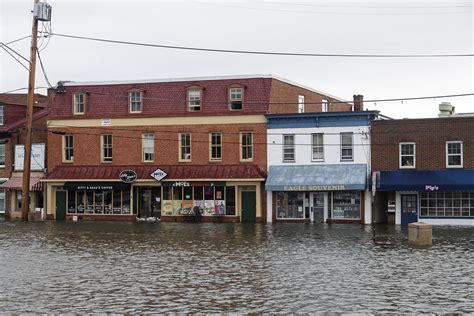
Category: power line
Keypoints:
(43, 70)
(13, 56)
(19, 89)
(17, 53)
(19, 39)
(234, 51)
(370, 6)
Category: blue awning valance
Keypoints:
(437, 180)
(317, 177)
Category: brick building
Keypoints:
(12, 138)
(167, 148)
(424, 169)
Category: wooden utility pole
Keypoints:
(25, 206)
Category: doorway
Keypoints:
(149, 202)
(317, 207)
(60, 205)
(249, 207)
(409, 209)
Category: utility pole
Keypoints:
(25, 206)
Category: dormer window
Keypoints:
(194, 100)
(236, 98)
(79, 100)
(135, 101)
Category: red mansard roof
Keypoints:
(178, 172)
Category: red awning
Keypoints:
(185, 172)
(16, 183)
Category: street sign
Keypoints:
(158, 174)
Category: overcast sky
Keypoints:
(339, 27)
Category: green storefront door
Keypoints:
(60, 205)
(249, 207)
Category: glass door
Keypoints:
(317, 207)
(145, 203)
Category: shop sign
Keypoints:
(431, 188)
(158, 174)
(96, 186)
(339, 187)
(37, 157)
(181, 184)
(128, 176)
(192, 184)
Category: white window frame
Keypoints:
(2, 115)
(233, 91)
(301, 104)
(194, 103)
(400, 155)
(150, 139)
(189, 157)
(76, 103)
(2, 201)
(132, 101)
(104, 146)
(66, 148)
(247, 146)
(448, 154)
(324, 105)
(313, 146)
(351, 147)
(212, 146)
(288, 147)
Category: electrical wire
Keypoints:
(19, 89)
(13, 56)
(234, 51)
(43, 70)
(17, 40)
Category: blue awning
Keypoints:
(317, 177)
(439, 180)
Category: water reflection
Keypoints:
(172, 267)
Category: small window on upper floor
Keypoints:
(288, 148)
(407, 155)
(236, 98)
(68, 148)
(325, 106)
(347, 146)
(135, 101)
(454, 154)
(194, 100)
(79, 100)
(301, 104)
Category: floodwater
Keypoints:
(88, 267)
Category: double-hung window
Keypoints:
(317, 143)
(407, 155)
(246, 146)
(347, 146)
(288, 148)
(301, 104)
(194, 100)
(68, 148)
(185, 146)
(79, 103)
(216, 146)
(2, 115)
(148, 147)
(236, 98)
(2, 155)
(106, 148)
(135, 101)
(324, 106)
(454, 154)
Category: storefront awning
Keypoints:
(439, 180)
(317, 177)
(16, 183)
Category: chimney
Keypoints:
(358, 102)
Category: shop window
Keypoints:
(98, 201)
(230, 200)
(81, 201)
(68, 148)
(108, 197)
(89, 202)
(18, 200)
(148, 147)
(71, 201)
(347, 147)
(454, 154)
(185, 146)
(288, 148)
(246, 146)
(301, 104)
(289, 205)
(216, 146)
(407, 155)
(2, 201)
(2, 155)
(346, 205)
(106, 148)
(79, 103)
(236, 97)
(135, 101)
(194, 100)
(447, 204)
(318, 147)
(219, 204)
(324, 106)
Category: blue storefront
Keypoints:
(444, 197)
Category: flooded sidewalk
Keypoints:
(90, 267)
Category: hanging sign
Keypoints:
(128, 176)
(158, 174)
(37, 157)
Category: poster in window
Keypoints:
(219, 207)
(167, 207)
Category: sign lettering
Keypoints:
(336, 187)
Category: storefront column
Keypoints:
(367, 207)
(269, 206)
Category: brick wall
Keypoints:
(284, 92)
(430, 136)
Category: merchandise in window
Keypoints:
(346, 205)
(289, 205)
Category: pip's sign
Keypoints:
(37, 157)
